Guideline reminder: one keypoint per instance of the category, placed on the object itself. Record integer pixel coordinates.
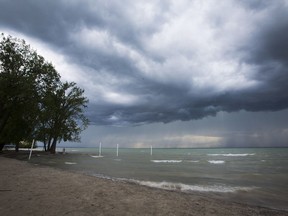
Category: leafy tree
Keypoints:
(34, 103)
(18, 104)
(62, 115)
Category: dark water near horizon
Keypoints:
(257, 176)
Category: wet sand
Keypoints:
(28, 189)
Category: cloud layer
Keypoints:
(153, 61)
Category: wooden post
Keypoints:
(31, 149)
(100, 149)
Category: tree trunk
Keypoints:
(49, 143)
(17, 147)
(53, 146)
(3, 120)
(45, 146)
(2, 146)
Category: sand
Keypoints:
(28, 189)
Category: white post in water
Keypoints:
(151, 150)
(31, 149)
(117, 150)
(100, 149)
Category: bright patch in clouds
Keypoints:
(117, 98)
(195, 140)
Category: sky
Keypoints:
(173, 73)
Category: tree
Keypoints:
(62, 115)
(19, 70)
(34, 103)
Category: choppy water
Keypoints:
(256, 176)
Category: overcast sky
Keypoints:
(173, 73)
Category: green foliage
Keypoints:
(62, 115)
(18, 105)
(34, 103)
(26, 144)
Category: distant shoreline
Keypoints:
(148, 147)
(28, 189)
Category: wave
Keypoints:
(193, 161)
(180, 186)
(199, 188)
(166, 161)
(70, 163)
(216, 161)
(232, 155)
(96, 156)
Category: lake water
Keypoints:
(258, 176)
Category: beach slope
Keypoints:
(28, 189)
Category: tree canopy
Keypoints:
(34, 102)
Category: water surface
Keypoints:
(258, 176)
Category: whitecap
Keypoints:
(199, 188)
(216, 161)
(70, 163)
(232, 155)
(96, 156)
(166, 161)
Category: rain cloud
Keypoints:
(152, 61)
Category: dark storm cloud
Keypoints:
(150, 61)
(50, 21)
(268, 51)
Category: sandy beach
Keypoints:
(28, 189)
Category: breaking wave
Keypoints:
(232, 155)
(216, 161)
(166, 161)
(70, 163)
(199, 188)
(96, 156)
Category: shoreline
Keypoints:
(29, 189)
